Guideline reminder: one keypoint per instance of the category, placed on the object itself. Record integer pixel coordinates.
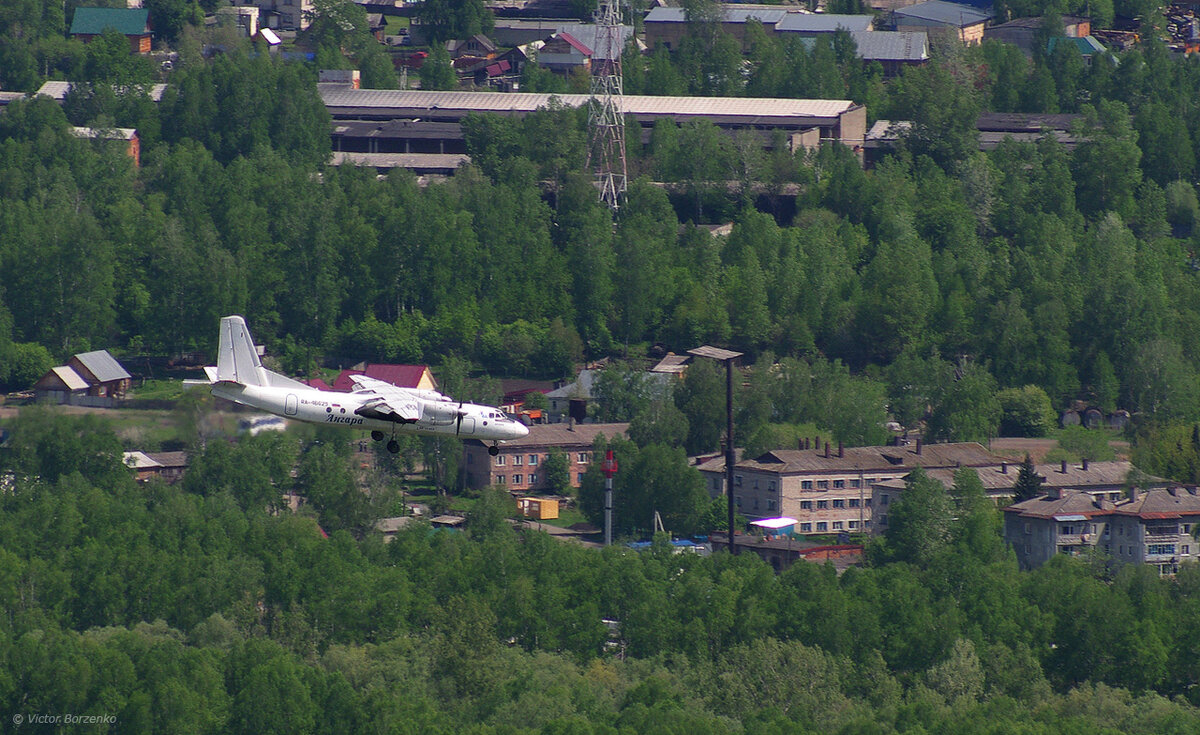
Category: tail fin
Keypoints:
(237, 360)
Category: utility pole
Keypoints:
(609, 468)
(728, 357)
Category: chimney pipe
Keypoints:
(841, 450)
(1004, 468)
(826, 450)
(1085, 464)
(918, 445)
(1064, 466)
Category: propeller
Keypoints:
(458, 420)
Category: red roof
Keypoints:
(575, 43)
(403, 376)
(319, 384)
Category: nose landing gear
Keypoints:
(494, 450)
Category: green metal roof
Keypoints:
(1086, 45)
(94, 21)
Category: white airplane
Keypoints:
(381, 407)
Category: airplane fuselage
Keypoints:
(437, 416)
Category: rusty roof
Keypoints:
(564, 435)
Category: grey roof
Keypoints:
(1068, 503)
(103, 365)
(411, 161)
(586, 34)
(865, 459)
(823, 23)
(892, 45)
(944, 13)
(1170, 503)
(58, 90)
(734, 14)
(422, 104)
(581, 388)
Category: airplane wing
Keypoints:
(389, 398)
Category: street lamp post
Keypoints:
(727, 357)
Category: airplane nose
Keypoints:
(520, 430)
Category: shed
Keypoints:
(541, 509)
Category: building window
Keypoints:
(822, 484)
(822, 526)
(533, 459)
(756, 483)
(1187, 528)
(869, 480)
(853, 525)
(771, 485)
(516, 459)
(756, 502)
(853, 502)
(822, 504)
(883, 519)
(837, 525)
(533, 479)
(579, 478)
(1066, 530)
(516, 479)
(1185, 549)
(805, 527)
(883, 500)
(738, 500)
(581, 457)
(737, 480)
(770, 505)
(500, 460)
(806, 484)
(499, 479)
(839, 503)
(855, 483)
(867, 502)
(1160, 549)
(839, 484)
(805, 505)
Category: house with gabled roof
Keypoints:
(563, 53)
(133, 23)
(402, 376)
(962, 21)
(95, 374)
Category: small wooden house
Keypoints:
(133, 23)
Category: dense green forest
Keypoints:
(947, 284)
(191, 608)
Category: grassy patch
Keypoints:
(165, 390)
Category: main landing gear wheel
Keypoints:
(393, 446)
(377, 435)
(493, 450)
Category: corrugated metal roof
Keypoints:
(523, 102)
(103, 365)
(823, 23)
(768, 16)
(94, 21)
(938, 11)
(892, 45)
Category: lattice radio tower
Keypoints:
(606, 123)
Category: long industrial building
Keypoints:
(432, 118)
